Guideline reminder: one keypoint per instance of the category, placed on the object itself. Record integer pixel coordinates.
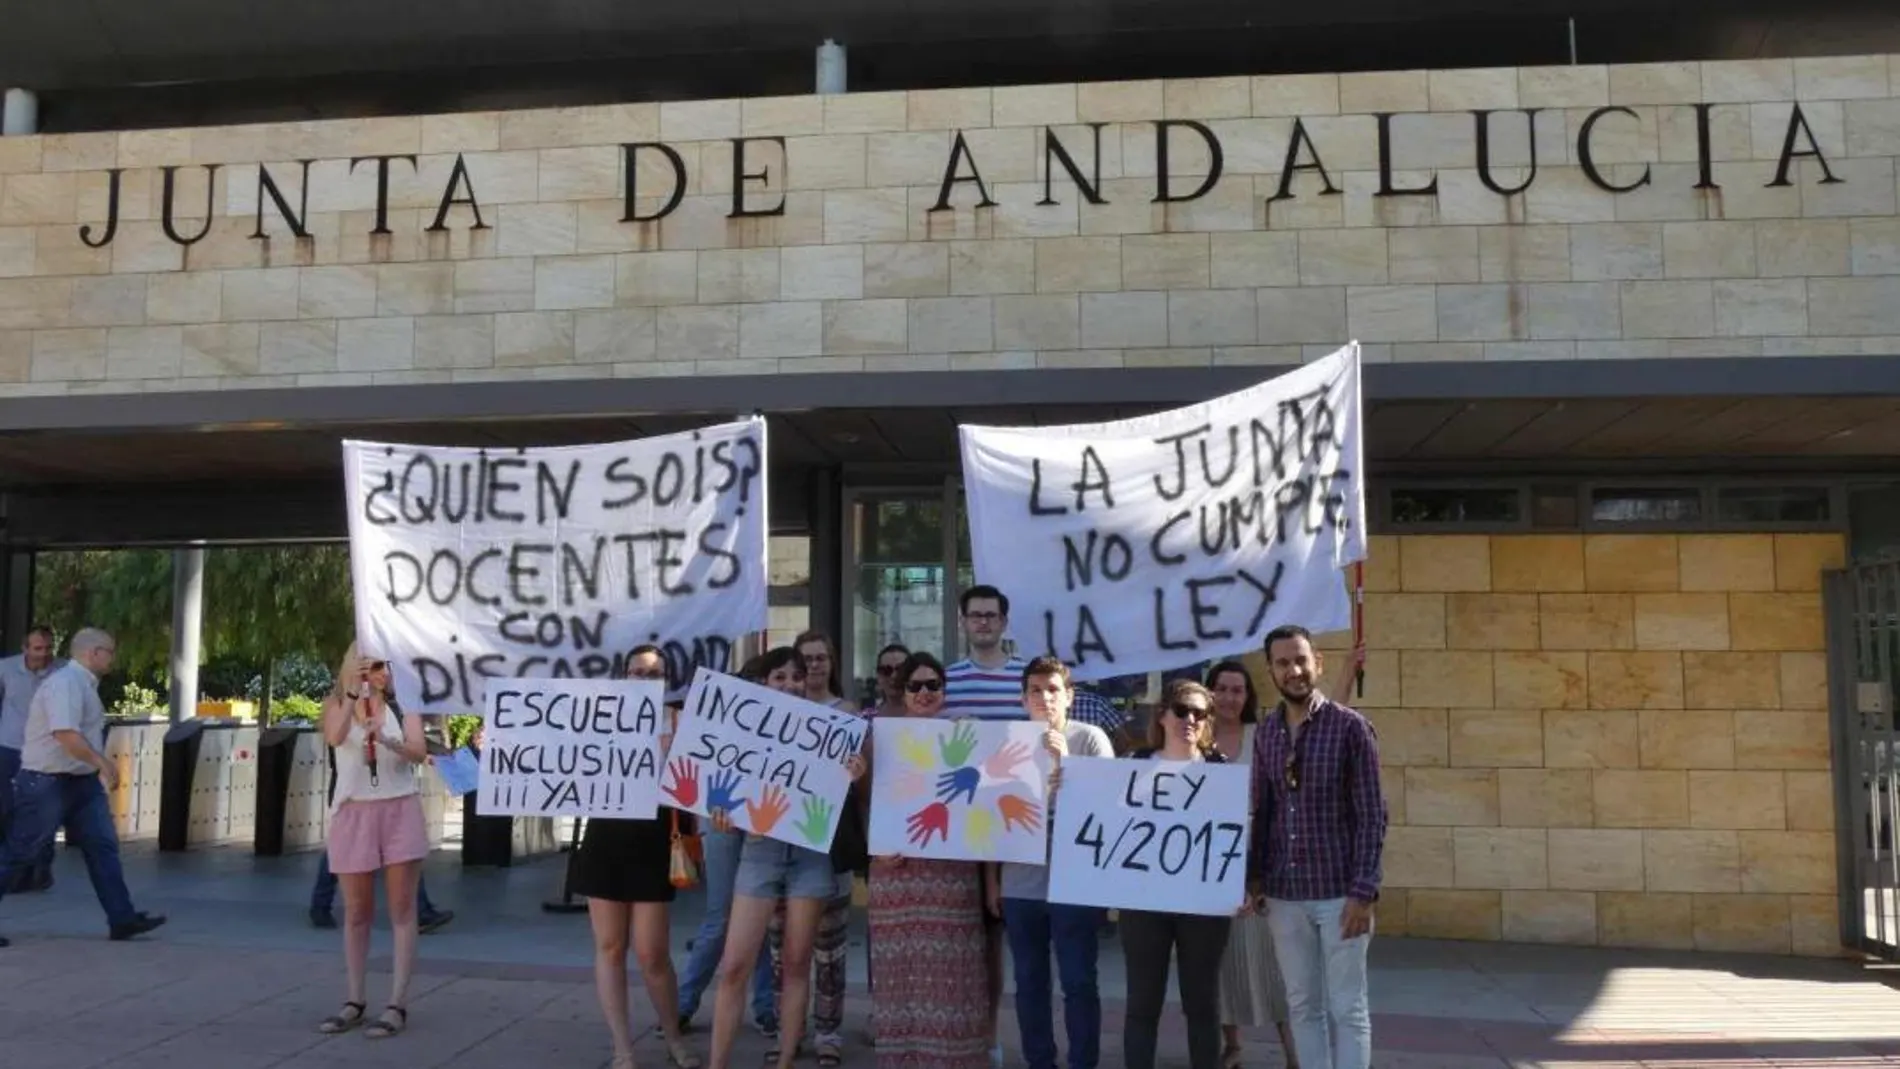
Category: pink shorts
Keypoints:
(369, 836)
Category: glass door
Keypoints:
(903, 569)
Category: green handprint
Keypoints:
(817, 820)
(957, 748)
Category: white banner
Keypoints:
(479, 564)
(572, 748)
(1149, 834)
(959, 791)
(772, 762)
(1151, 543)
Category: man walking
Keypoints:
(63, 780)
(20, 678)
(1319, 831)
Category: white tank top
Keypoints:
(395, 777)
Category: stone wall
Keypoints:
(1617, 740)
(1710, 258)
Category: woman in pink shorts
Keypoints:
(375, 826)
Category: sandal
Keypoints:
(830, 1054)
(681, 1055)
(351, 1016)
(384, 1028)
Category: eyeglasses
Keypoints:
(888, 670)
(1190, 712)
(647, 673)
(982, 617)
(377, 666)
(918, 686)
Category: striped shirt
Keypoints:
(971, 690)
(1322, 836)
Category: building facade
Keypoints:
(1630, 330)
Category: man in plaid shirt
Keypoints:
(1319, 830)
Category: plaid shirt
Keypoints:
(1322, 839)
(1091, 708)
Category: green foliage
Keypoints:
(136, 702)
(296, 707)
(462, 729)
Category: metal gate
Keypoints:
(1863, 640)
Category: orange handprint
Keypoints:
(1019, 810)
(763, 814)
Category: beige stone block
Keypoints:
(265, 294)
(497, 285)
(1677, 738)
(1667, 309)
(109, 302)
(1696, 861)
(1451, 797)
(642, 279)
(1631, 563)
(1500, 858)
(1545, 798)
(218, 349)
(1857, 306)
(1784, 739)
(1448, 680)
(1874, 246)
(614, 337)
(1596, 860)
(1682, 621)
(1743, 924)
(1078, 265)
(1165, 261)
(28, 199)
(143, 352)
(1568, 310)
(590, 173)
(735, 276)
(1343, 257)
(1419, 857)
(1491, 621)
(1392, 313)
(1648, 921)
(1544, 680)
(458, 341)
(1473, 88)
(1566, 917)
(536, 229)
(1797, 248)
(1487, 738)
(1392, 91)
(1616, 251)
(1412, 737)
(1563, 87)
(781, 329)
(836, 161)
(1810, 801)
(1314, 314)
(1587, 621)
(1207, 98)
(1468, 915)
(19, 246)
(336, 292)
(914, 269)
(699, 120)
(534, 339)
(1382, 563)
(1124, 320)
(62, 355)
(1800, 559)
(1434, 254)
(1524, 253)
(1766, 307)
(865, 113)
(21, 155)
(1590, 739)
(1118, 101)
(1803, 681)
(821, 272)
(1212, 317)
(864, 327)
(991, 267)
(1780, 622)
(1445, 563)
(949, 109)
(1033, 105)
(300, 347)
(422, 289)
(468, 132)
(1814, 921)
(386, 344)
(1728, 562)
(1737, 800)
(1839, 77)
(1731, 680)
(36, 302)
(16, 356)
(1647, 799)
(951, 324)
(1392, 785)
(183, 298)
(1038, 323)
(1633, 680)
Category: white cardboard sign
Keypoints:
(1150, 834)
(572, 748)
(967, 790)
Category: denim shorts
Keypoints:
(772, 869)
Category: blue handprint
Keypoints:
(961, 781)
(719, 796)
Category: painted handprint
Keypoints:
(961, 781)
(1019, 810)
(934, 817)
(763, 815)
(909, 785)
(817, 820)
(979, 830)
(915, 751)
(1002, 764)
(685, 786)
(957, 748)
(719, 796)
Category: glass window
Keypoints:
(1772, 504)
(900, 582)
(1646, 505)
(1471, 505)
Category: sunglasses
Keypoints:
(888, 670)
(1190, 712)
(918, 686)
(647, 673)
(377, 666)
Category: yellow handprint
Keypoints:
(979, 829)
(916, 751)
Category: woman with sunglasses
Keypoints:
(890, 683)
(932, 1007)
(1180, 731)
(1252, 995)
(624, 871)
(376, 825)
(768, 871)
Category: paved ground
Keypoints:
(239, 979)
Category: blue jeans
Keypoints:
(1328, 1010)
(323, 895)
(721, 874)
(9, 768)
(1075, 933)
(41, 803)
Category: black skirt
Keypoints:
(626, 860)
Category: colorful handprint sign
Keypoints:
(958, 790)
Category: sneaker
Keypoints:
(436, 921)
(767, 1026)
(996, 1056)
(137, 926)
(322, 918)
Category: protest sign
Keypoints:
(479, 564)
(572, 748)
(461, 771)
(1146, 544)
(959, 791)
(1148, 834)
(760, 756)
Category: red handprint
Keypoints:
(1019, 810)
(685, 786)
(764, 813)
(934, 817)
(1002, 764)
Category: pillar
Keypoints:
(188, 595)
(21, 114)
(831, 71)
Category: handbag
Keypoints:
(687, 855)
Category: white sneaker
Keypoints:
(996, 1056)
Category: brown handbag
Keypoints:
(687, 855)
